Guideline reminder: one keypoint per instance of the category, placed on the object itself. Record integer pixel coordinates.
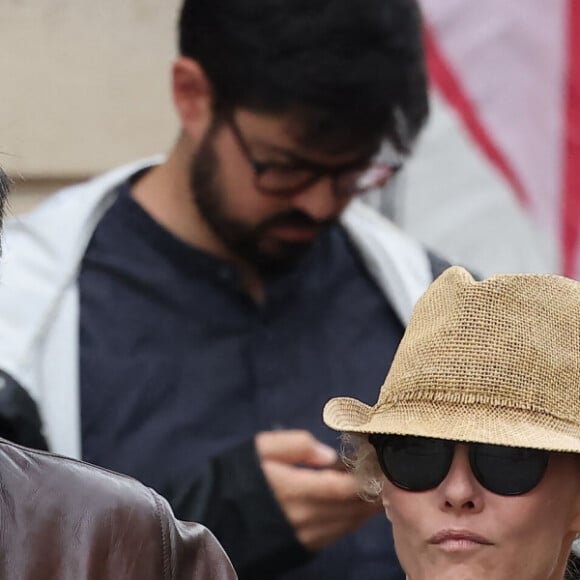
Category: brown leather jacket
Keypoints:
(62, 519)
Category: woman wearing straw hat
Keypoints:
(474, 443)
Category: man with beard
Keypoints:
(183, 319)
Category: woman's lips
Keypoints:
(458, 540)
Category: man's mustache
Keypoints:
(295, 219)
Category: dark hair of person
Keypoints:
(351, 71)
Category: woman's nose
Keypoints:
(460, 491)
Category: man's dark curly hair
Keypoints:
(351, 71)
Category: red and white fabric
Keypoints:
(496, 178)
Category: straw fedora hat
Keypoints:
(496, 361)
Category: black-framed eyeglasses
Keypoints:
(421, 463)
(287, 179)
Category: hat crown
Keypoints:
(510, 341)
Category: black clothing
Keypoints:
(180, 369)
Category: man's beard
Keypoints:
(250, 242)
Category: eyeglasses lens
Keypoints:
(281, 180)
(285, 179)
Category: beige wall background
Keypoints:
(84, 86)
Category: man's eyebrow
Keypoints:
(280, 150)
(298, 159)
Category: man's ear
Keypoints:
(192, 97)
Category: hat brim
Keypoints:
(458, 422)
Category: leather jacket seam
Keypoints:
(165, 541)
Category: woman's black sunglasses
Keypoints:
(421, 463)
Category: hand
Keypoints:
(321, 504)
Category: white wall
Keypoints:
(84, 85)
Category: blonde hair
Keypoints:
(360, 458)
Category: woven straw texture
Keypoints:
(496, 361)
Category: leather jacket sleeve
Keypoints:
(65, 519)
(233, 499)
(191, 551)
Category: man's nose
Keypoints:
(319, 200)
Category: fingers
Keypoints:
(321, 506)
(326, 486)
(294, 447)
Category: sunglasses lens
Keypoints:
(508, 470)
(414, 463)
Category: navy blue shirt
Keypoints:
(179, 364)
